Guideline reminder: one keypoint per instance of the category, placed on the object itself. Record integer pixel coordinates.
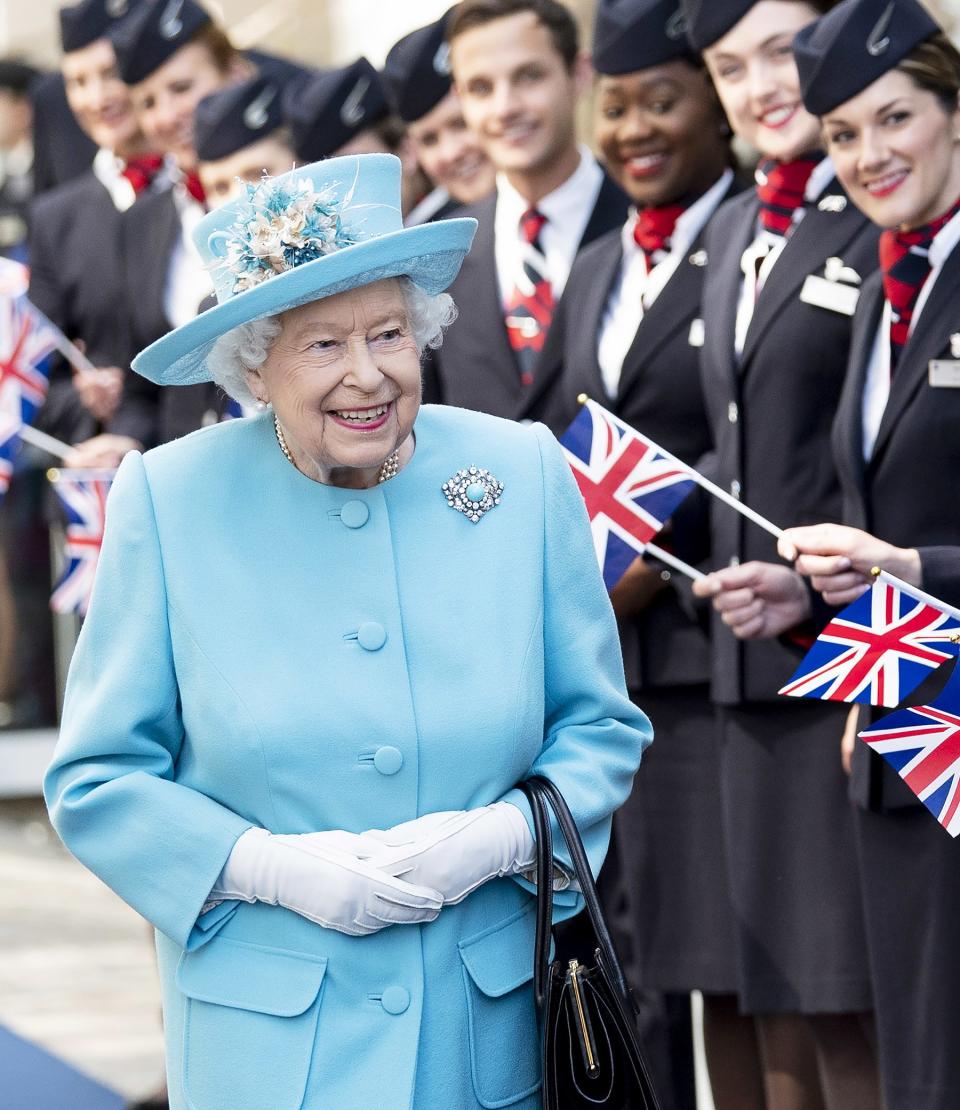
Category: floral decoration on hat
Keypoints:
(280, 225)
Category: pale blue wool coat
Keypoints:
(265, 650)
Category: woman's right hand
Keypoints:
(317, 876)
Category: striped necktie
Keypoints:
(530, 307)
(781, 187)
(653, 229)
(905, 265)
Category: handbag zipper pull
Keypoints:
(583, 1022)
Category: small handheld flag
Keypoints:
(84, 497)
(923, 746)
(631, 487)
(878, 649)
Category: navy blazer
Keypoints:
(76, 281)
(660, 395)
(907, 492)
(771, 411)
(476, 368)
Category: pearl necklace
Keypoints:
(388, 468)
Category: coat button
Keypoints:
(388, 760)
(371, 636)
(735, 489)
(733, 413)
(354, 514)
(395, 1000)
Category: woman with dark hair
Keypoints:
(627, 333)
(887, 92)
(785, 264)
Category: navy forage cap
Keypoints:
(853, 44)
(709, 20)
(328, 109)
(417, 71)
(237, 117)
(154, 32)
(629, 35)
(84, 23)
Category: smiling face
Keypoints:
(659, 130)
(519, 96)
(450, 153)
(756, 78)
(344, 380)
(99, 99)
(166, 100)
(896, 151)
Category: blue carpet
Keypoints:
(32, 1079)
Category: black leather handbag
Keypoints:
(591, 1052)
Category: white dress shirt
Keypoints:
(759, 259)
(188, 281)
(636, 288)
(876, 388)
(426, 209)
(108, 170)
(567, 209)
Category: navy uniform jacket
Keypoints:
(76, 281)
(476, 367)
(907, 492)
(148, 234)
(771, 411)
(660, 395)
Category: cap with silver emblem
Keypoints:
(853, 44)
(329, 109)
(154, 32)
(710, 20)
(237, 117)
(629, 35)
(417, 70)
(84, 23)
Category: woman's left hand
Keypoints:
(456, 851)
(838, 560)
(756, 600)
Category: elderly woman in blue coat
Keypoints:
(324, 645)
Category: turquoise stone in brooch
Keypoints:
(473, 492)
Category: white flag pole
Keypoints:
(72, 353)
(705, 483)
(914, 591)
(676, 564)
(52, 446)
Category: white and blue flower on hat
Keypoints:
(316, 231)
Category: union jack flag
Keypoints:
(876, 650)
(27, 340)
(84, 497)
(923, 746)
(631, 486)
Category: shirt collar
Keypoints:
(559, 206)
(823, 174)
(944, 241)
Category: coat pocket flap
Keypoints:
(500, 959)
(250, 977)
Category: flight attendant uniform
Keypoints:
(897, 452)
(776, 312)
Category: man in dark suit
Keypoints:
(417, 76)
(519, 72)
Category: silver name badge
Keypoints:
(695, 336)
(830, 295)
(944, 373)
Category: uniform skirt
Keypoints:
(794, 877)
(911, 888)
(675, 896)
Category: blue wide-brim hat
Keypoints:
(316, 231)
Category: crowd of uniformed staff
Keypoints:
(753, 261)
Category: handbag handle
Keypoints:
(542, 793)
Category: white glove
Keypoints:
(321, 881)
(454, 852)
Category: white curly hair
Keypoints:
(246, 347)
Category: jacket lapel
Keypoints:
(725, 260)
(819, 235)
(937, 321)
(609, 211)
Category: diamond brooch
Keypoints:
(473, 492)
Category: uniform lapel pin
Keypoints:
(698, 258)
(473, 491)
(835, 270)
(833, 202)
(955, 345)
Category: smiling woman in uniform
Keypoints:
(324, 645)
